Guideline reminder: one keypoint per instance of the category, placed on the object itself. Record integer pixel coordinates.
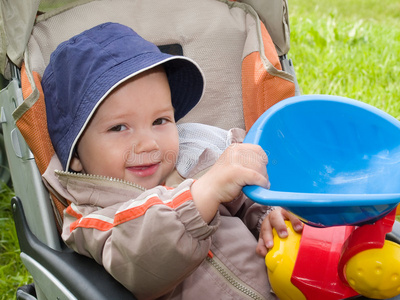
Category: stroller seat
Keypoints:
(245, 48)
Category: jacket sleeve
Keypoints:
(252, 214)
(149, 244)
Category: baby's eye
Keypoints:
(118, 128)
(160, 121)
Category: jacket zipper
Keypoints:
(90, 177)
(233, 280)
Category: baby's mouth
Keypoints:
(144, 170)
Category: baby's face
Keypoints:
(132, 135)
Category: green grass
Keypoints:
(348, 48)
(12, 272)
(345, 48)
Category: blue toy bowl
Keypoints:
(332, 160)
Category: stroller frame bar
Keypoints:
(21, 161)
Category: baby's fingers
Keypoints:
(252, 177)
(277, 220)
(262, 249)
(297, 224)
(266, 238)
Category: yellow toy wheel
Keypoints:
(375, 273)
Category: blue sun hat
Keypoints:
(85, 69)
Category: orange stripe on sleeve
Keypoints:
(91, 223)
(138, 211)
(126, 215)
(69, 210)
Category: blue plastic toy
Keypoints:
(332, 160)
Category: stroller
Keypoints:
(241, 47)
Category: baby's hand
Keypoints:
(276, 219)
(239, 165)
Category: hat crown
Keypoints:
(117, 41)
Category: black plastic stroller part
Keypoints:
(394, 235)
(26, 292)
(81, 275)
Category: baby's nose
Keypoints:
(145, 143)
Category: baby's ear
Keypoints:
(76, 164)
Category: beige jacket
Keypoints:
(155, 242)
